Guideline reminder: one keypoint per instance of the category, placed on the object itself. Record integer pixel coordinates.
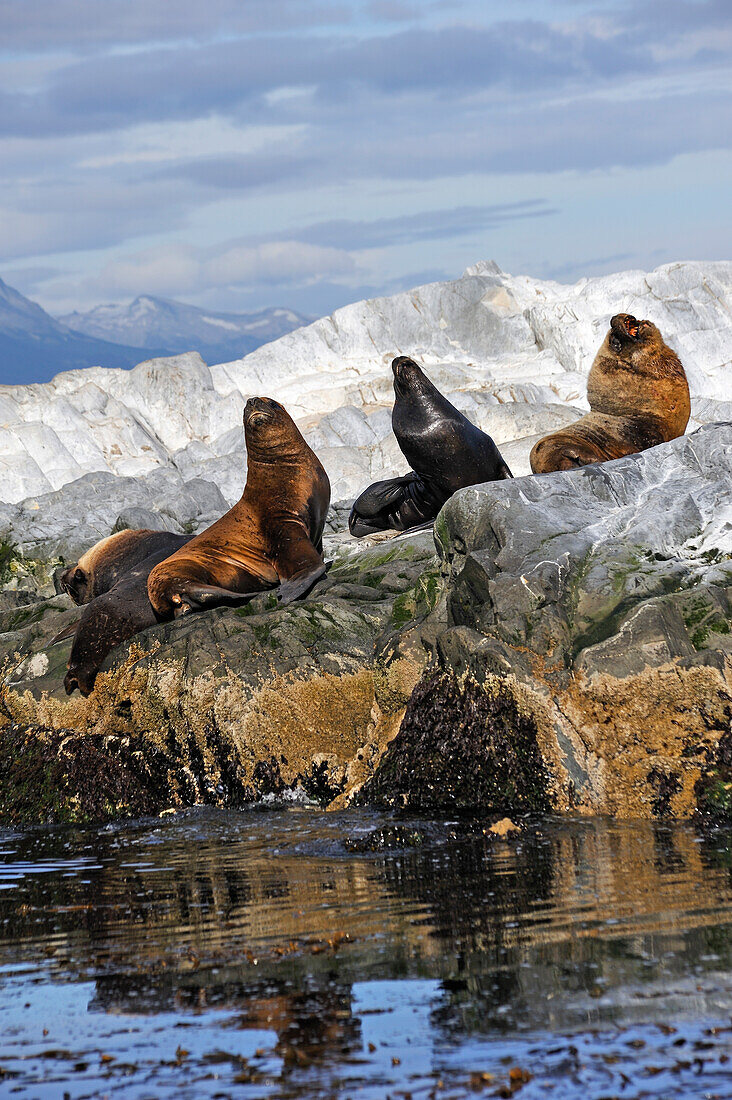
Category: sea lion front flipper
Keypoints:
(68, 631)
(202, 597)
(300, 584)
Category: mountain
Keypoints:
(34, 347)
(149, 323)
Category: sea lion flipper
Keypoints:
(68, 631)
(205, 596)
(381, 506)
(300, 583)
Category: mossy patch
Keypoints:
(713, 790)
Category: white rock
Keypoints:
(512, 352)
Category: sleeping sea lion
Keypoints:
(446, 453)
(112, 618)
(272, 536)
(99, 568)
(638, 395)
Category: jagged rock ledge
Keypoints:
(567, 648)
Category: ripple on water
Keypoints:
(256, 954)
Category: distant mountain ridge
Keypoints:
(34, 346)
(150, 321)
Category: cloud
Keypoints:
(135, 121)
(80, 25)
(428, 225)
(230, 76)
(183, 269)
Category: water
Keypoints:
(254, 955)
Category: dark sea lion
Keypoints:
(446, 453)
(638, 395)
(99, 568)
(112, 618)
(272, 536)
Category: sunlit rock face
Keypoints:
(511, 352)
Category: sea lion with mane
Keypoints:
(638, 395)
(272, 536)
(445, 451)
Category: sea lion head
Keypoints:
(80, 677)
(77, 582)
(269, 429)
(628, 334)
(409, 379)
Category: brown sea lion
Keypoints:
(638, 395)
(99, 568)
(112, 618)
(272, 536)
(446, 453)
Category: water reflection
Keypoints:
(280, 961)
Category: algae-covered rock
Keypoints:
(568, 648)
(462, 746)
(234, 704)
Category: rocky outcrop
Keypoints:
(601, 601)
(568, 647)
(222, 708)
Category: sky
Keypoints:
(238, 154)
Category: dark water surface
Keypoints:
(255, 954)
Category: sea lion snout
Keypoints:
(260, 409)
(402, 364)
(407, 375)
(74, 581)
(76, 678)
(626, 326)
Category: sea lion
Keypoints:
(446, 453)
(638, 395)
(99, 568)
(272, 536)
(112, 618)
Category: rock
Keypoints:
(232, 705)
(575, 626)
(504, 827)
(461, 748)
(603, 598)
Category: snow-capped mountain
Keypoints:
(163, 443)
(149, 323)
(34, 347)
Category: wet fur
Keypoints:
(445, 451)
(110, 619)
(271, 537)
(99, 568)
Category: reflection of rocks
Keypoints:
(244, 912)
